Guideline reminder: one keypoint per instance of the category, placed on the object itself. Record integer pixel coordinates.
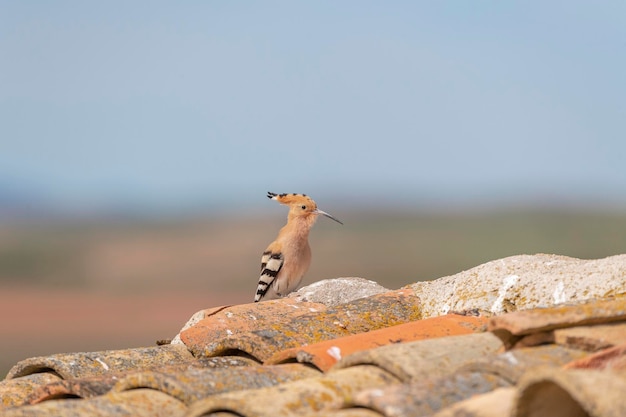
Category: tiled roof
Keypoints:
(522, 336)
(323, 355)
(264, 329)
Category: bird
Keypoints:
(286, 259)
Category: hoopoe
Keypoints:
(287, 258)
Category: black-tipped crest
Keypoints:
(275, 196)
(299, 202)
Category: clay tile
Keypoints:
(136, 403)
(327, 392)
(425, 397)
(426, 358)
(523, 282)
(197, 383)
(544, 319)
(612, 358)
(497, 403)
(224, 322)
(592, 338)
(90, 387)
(567, 393)
(17, 391)
(89, 364)
(325, 354)
(72, 388)
(361, 315)
(513, 364)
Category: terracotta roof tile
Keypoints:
(497, 403)
(612, 358)
(136, 403)
(592, 338)
(72, 388)
(432, 391)
(429, 395)
(330, 391)
(15, 392)
(325, 354)
(559, 317)
(94, 386)
(292, 328)
(46, 383)
(426, 358)
(227, 320)
(513, 364)
(197, 383)
(571, 393)
(81, 365)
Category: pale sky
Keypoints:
(176, 103)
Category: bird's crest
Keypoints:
(300, 206)
(293, 198)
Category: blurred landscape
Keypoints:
(114, 282)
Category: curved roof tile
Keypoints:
(136, 403)
(232, 319)
(18, 391)
(89, 364)
(72, 388)
(427, 396)
(324, 355)
(592, 338)
(291, 328)
(525, 322)
(426, 358)
(497, 403)
(612, 358)
(571, 393)
(327, 392)
(197, 383)
(512, 364)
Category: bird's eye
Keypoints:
(303, 207)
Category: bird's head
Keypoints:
(300, 205)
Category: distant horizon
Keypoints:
(31, 204)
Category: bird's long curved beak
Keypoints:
(318, 211)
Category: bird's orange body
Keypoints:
(286, 259)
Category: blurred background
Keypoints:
(138, 140)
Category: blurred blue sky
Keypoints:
(174, 104)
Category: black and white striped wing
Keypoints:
(271, 263)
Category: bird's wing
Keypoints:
(271, 263)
